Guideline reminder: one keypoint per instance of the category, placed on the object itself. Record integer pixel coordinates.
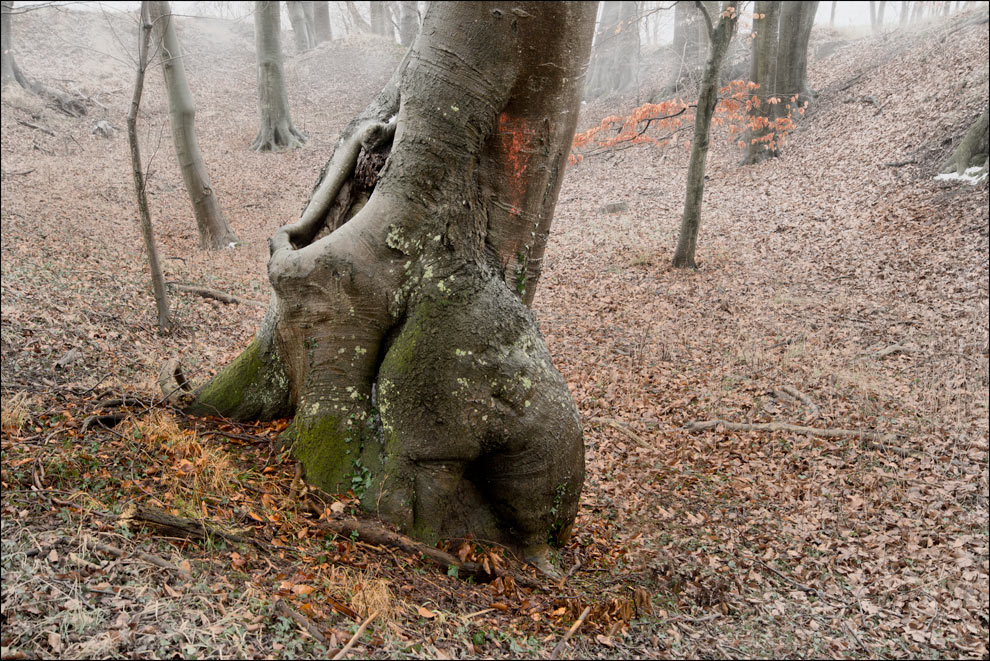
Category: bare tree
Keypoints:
(303, 30)
(157, 278)
(399, 336)
(214, 232)
(616, 53)
(277, 130)
(321, 15)
(10, 72)
(719, 37)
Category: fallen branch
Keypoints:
(216, 295)
(177, 526)
(621, 426)
(357, 634)
(783, 426)
(373, 534)
(36, 127)
(810, 403)
(303, 621)
(570, 632)
(900, 164)
(147, 557)
(891, 350)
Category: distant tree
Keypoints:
(379, 18)
(615, 56)
(214, 232)
(359, 21)
(690, 45)
(277, 130)
(831, 16)
(408, 22)
(11, 74)
(157, 278)
(303, 30)
(719, 37)
(780, 68)
(321, 14)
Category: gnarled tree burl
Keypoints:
(398, 334)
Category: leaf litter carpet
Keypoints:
(836, 291)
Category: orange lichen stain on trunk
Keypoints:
(515, 139)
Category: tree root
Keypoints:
(865, 436)
(216, 295)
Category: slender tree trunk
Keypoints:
(360, 23)
(301, 27)
(616, 55)
(277, 130)
(690, 44)
(873, 17)
(379, 18)
(157, 278)
(764, 72)
(881, 6)
(214, 232)
(7, 74)
(831, 17)
(321, 14)
(408, 22)
(398, 334)
(720, 36)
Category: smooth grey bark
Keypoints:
(719, 37)
(302, 28)
(214, 232)
(147, 233)
(7, 74)
(408, 22)
(277, 131)
(974, 148)
(398, 335)
(616, 54)
(831, 16)
(321, 16)
(780, 66)
(379, 18)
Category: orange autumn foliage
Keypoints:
(658, 124)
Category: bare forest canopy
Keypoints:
(784, 439)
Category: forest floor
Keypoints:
(858, 286)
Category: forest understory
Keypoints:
(840, 287)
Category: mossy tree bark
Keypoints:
(616, 54)
(276, 131)
(974, 149)
(719, 37)
(398, 335)
(214, 232)
(780, 66)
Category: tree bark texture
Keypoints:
(302, 28)
(321, 15)
(214, 232)
(720, 36)
(147, 233)
(616, 54)
(398, 334)
(7, 74)
(780, 66)
(360, 23)
(276, 131)
(974, 149)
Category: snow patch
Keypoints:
(972, 176)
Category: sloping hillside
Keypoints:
(841, 273)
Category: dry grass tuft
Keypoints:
(15, 412)
(364, 593)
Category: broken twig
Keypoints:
(570, 632)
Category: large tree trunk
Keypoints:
(321, 14)
(796, 21)
(398, 334)
(277, 131)
(214, 232)
(302, 28)
(616, 58)
(720, 36)
(147, 233)
(973, 151)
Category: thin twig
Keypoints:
(357, 634)
(302, 621)
(621, 426)
(570, 632)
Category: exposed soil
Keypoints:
(859, 286)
